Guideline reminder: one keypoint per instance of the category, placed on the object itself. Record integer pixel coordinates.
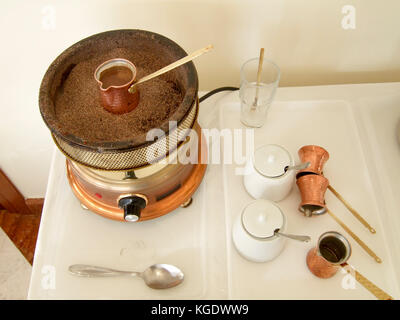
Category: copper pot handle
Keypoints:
(371, 287)
(352, 210)
(171, 66)
(355, 237)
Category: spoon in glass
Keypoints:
(157, 276)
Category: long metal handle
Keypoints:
(371, 287)
(171, 66)
(352, 210)
(294, 236)
(355, 237)
(84, 270)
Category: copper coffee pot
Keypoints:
(312, 184)
(121, 94)
(312, 190)
(114, 77)
(332, 252)
(316, 155)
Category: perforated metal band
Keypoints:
(133, 159)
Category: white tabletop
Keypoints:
(196, 238)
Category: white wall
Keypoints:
(304, 37)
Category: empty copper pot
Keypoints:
(116, 98)
(332, 250)
(316, 155)
(312, 190)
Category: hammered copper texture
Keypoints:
(312, 189)
(316, 155)
(119, 100)
(319, 266)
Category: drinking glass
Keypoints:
(257, 98)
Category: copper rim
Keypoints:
(338, 243)
(115, 61)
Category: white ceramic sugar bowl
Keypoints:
(253, 231)
(265, 176)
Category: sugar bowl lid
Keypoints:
(270, 160)
(261, 218)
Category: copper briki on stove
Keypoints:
(114, 178)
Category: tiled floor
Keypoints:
(15, 271)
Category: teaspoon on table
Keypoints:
(157, 276)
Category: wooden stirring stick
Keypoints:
(375, 290)
(355, 237)
(353, 211)
(171, 66)
(260, 65)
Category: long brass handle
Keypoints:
(371, 287)
(355, 237)
(352, 210)
(171, 66)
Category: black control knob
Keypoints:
(132, 206)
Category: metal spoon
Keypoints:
(157, 276)
(300, 166)
(292, 236)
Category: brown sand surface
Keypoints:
(79, 111)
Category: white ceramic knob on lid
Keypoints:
(261, 218)
(270, 160)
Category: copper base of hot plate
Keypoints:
(191, 176)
